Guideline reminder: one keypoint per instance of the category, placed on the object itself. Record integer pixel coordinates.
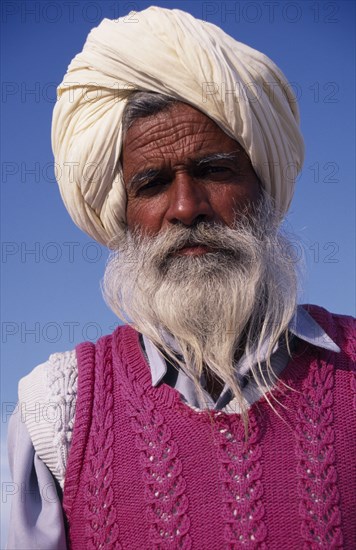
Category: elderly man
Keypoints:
(221, 415)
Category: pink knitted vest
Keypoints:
(146, 471)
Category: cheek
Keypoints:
(229, 202)
(143, 216)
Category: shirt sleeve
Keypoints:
(36, 517)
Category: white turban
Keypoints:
(170, 52)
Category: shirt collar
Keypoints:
(156, 361)
(302, 325)
(306, 328)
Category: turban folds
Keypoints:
(170, 52)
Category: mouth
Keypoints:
(193, 250)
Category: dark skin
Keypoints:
(179, 167)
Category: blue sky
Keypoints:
(51, 271)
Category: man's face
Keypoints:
(179, 167)
(202, 259)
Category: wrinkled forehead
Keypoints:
(178, 134)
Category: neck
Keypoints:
(213, 384)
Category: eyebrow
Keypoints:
(146, 175)
(142, 177)
(232, 156)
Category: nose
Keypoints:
(188, 201)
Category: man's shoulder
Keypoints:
(58, 368)
(47, 402)
(58, 374)
(88, 352)
(341, 328)
(61, 368)
(329, 319)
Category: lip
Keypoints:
(193, 250)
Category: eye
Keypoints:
(217, 171)
(152, 186)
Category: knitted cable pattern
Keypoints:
(167, 503)
(101, 527)
(317, 488)
(240, 475)
(62, 383)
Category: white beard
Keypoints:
(216, 305)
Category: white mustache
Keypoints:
(220, 239)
